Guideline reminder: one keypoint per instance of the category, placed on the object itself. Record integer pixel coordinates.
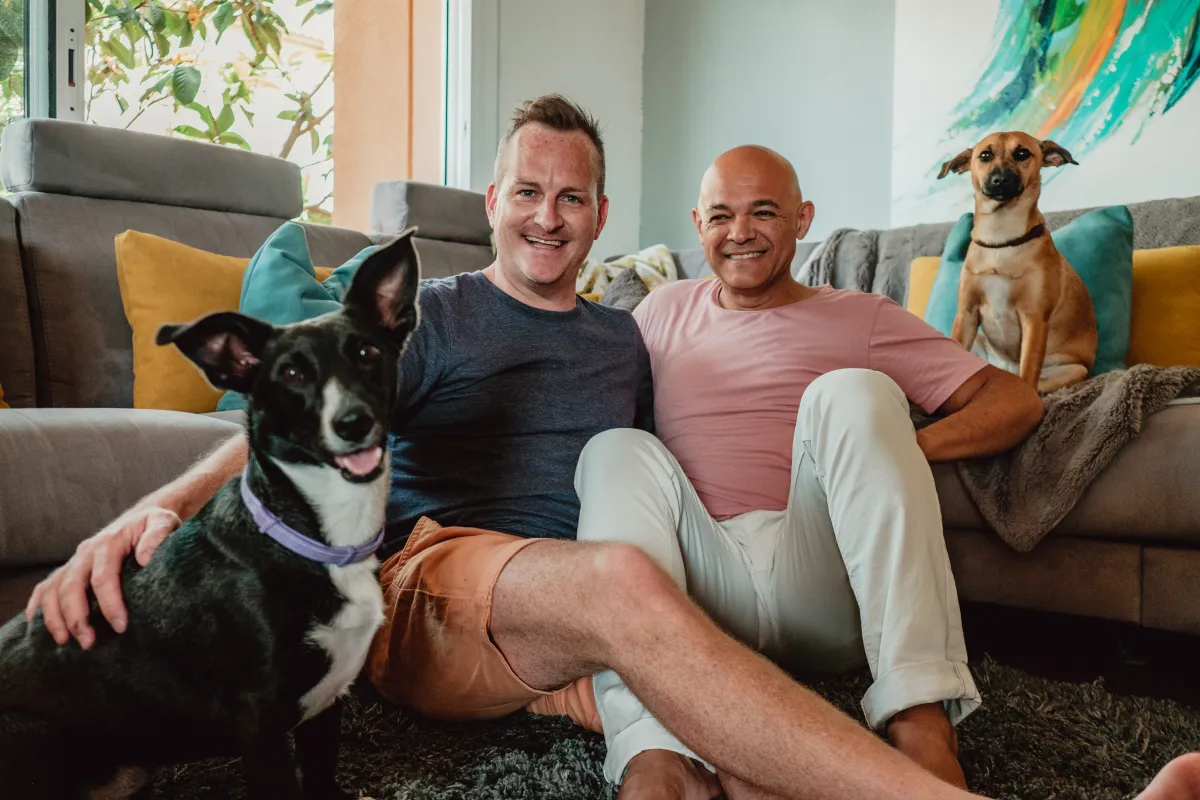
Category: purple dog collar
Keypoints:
(300, 544)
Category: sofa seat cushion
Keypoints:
(69, 472)
(1147, 493)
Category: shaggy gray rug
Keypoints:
(1033, 738)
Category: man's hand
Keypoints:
(140, 530)
(97, 564)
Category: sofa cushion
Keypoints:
(83, 342)
(69, 472)
(438, 212)
(1165, 327)
(282, 286)
(165, 282)
(16, 331)
(74, 158)
(1098, 245)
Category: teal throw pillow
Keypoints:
(280, 286)
(1098, 245)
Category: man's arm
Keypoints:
(991, 412)
(97, 561)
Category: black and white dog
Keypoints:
(255, 616)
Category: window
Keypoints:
(258, 75)
(255, 74)
(12, 61)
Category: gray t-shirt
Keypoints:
(497, 400)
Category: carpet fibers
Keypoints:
(1032, 738)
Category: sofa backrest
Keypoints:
(78, 186)
(453, 234)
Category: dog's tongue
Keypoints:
(362, 462)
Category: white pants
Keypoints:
(854, 571)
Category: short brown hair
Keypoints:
(557, 112)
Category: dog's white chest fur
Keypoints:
(348, 636)
(350, 514)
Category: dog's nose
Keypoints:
(353, 425)
(1003, 180)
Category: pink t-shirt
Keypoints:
(727, 384)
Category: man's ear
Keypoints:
(1054, 155)
(957, 165)
(384, 289)
(227, 346)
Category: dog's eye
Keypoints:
(1020, 154)
(986, 155)
(292, 374)
(368, 352)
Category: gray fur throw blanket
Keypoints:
(1023, 493)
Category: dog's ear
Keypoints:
(957, 165)
(1054, 155)
(384, 289)
(227, 346)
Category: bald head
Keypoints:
(750, 214)
(751, 163)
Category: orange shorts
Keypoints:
(434, 652)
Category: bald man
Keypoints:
(787, 489)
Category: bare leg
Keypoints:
(564, 610)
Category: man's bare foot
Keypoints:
(924, 734)
(666, 775)
(1178, 780)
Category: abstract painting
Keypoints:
(1112, 81)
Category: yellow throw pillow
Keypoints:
(163, 282)
(921, 273)
(1165, 329)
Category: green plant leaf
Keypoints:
(223, 18)
(289, 114)
(162, 45)
(205, 115)
(271, 35)
(314, 139)
(122, 53)
(249, 115)
(225, 118)
(185, 84)
(188, 130)
(124, 105)
(233, 138)
(320, 8)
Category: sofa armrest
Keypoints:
(67, 472)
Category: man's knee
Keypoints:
(639, 592)
(618, 451)
(855, 392)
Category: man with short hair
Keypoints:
(491, 606)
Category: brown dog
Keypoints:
(1036, 314)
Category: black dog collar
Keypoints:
(1030, 235)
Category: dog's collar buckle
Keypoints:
(1029, 236)
(298, 543)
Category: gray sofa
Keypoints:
(73, 451)
(73, 454)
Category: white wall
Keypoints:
(811, 79)
(588, 50)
